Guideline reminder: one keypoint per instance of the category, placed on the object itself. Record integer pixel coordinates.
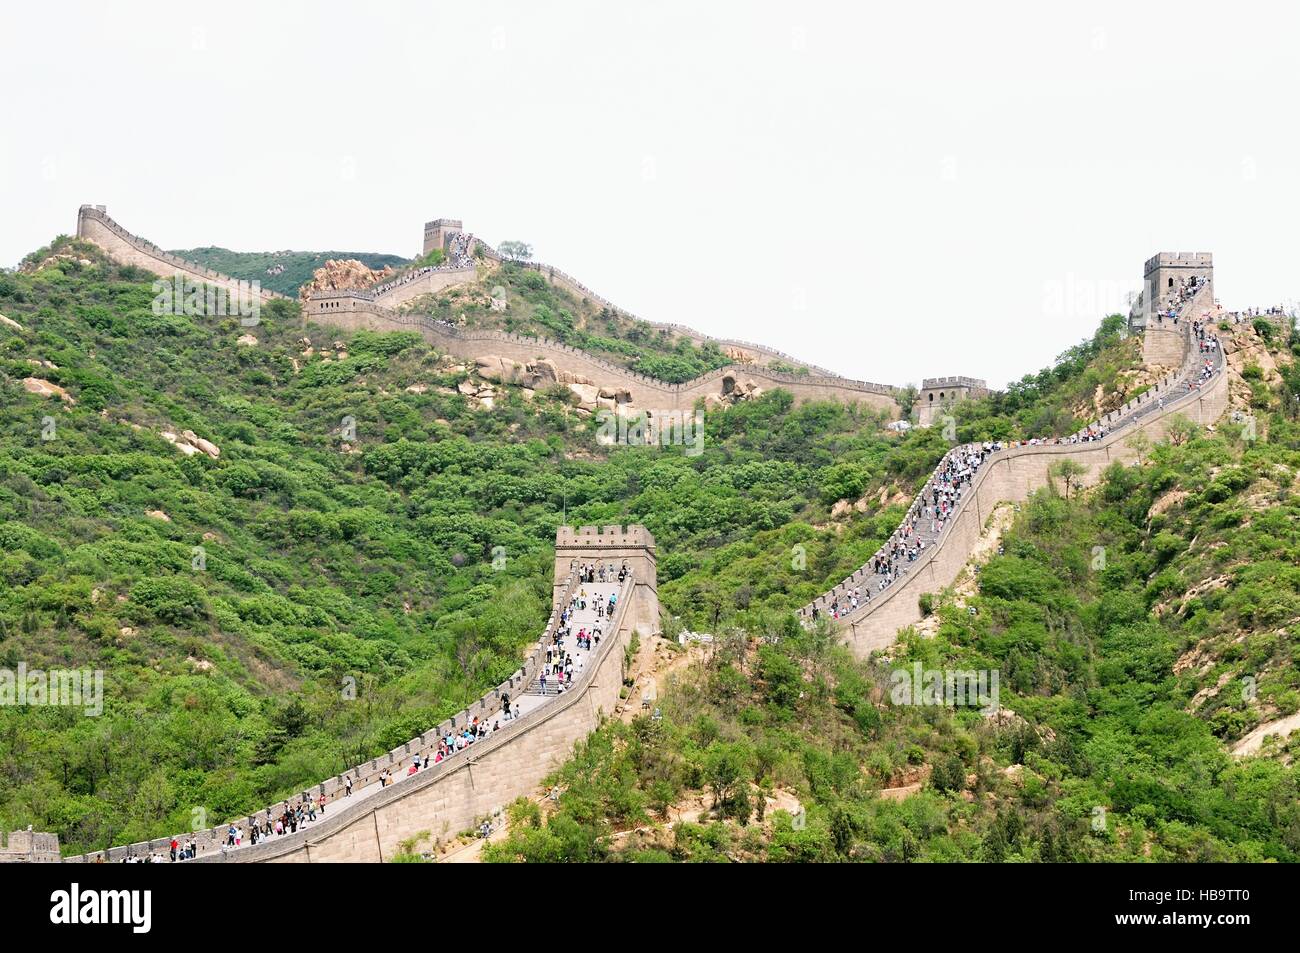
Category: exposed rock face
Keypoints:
(739, 355)
(41, 388)
(158, 515)
(10, 323)
(501, 369)
(246, 340)
(1242, 348)
(338, 273)
(587, 393)
(190, 443)
(211, 449)
(733, 392)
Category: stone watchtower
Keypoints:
(438, 232)
(938, 394)
(30, 847)
(633, 546)
(1164, 276)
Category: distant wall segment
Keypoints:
(94, 225)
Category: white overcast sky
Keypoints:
(894, 191)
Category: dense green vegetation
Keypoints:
(323, 565)
(1049, 402)
(282, 271)
(1108, 756)
(314, 596)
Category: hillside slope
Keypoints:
(367, 547)
(1137, 635)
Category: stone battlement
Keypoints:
(30, 847)
(571, 284)
(957, 381)
(1184, 259)
(94, 225)
(615, 535)
(499, 768)
(352, 311)
(1013, 474)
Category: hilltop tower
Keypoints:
(1165, 274)
(30, 847)
(939, 394)
(633, 547)
(438, 232)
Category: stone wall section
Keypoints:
(94, 225)
(448, 798)
(351, 311)
(1013, 475)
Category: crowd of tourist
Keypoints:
(922, 525)
(938, 500)
(459, 255)
(1237, 317)
(562, 664)
(1175, 300)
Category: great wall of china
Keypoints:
(349, 311)
(450, 797)
(359, 307)
(1012, 474)
(94, 225)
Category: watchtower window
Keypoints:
(1171, 282)
(932, 398)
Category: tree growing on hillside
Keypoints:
(1069, 471)
(1181, 430)
(516, 251)
(1140, 444)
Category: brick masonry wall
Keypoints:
(428, 283)
(497, 770)
(1012, 477)
(354, 313)
(127, 249)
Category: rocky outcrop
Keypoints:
(1243, 348)
(10, 323)
(43, 388)
(211, 449)
(338, 273)
(586, 394)
(733, 392)
(501, 369)
(190, 443)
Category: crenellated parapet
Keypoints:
(613, 547)
(1012, 473)
(29, 847)
(353, 310)
(450, 796)
(94, 225)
